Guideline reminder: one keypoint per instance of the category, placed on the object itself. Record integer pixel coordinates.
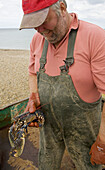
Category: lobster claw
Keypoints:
(17, 141)
(17, 151)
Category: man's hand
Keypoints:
(33, 103)
(97, 152)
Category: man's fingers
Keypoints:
(90, 152)
(92, 161)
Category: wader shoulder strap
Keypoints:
(70, 50)
(44, 54)
(71, 43)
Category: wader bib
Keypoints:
(69, 121)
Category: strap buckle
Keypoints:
(68, 62)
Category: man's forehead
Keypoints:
(50, 14)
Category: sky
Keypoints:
(88, 10)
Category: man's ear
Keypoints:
(63, 8)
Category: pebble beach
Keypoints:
(13, 76)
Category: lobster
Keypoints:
(18, 131)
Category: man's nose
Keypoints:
(40, 29)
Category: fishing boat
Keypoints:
(10, 111)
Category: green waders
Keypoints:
(69, 121)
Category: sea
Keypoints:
(13, 38)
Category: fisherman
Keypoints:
(66, 78)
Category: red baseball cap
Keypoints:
(35, 12)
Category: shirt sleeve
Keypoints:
(98, 58)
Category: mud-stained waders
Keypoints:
(69, 121)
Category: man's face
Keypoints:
(54, 28)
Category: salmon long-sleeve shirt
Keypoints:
(88, 70)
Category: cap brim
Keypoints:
(34, 19)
